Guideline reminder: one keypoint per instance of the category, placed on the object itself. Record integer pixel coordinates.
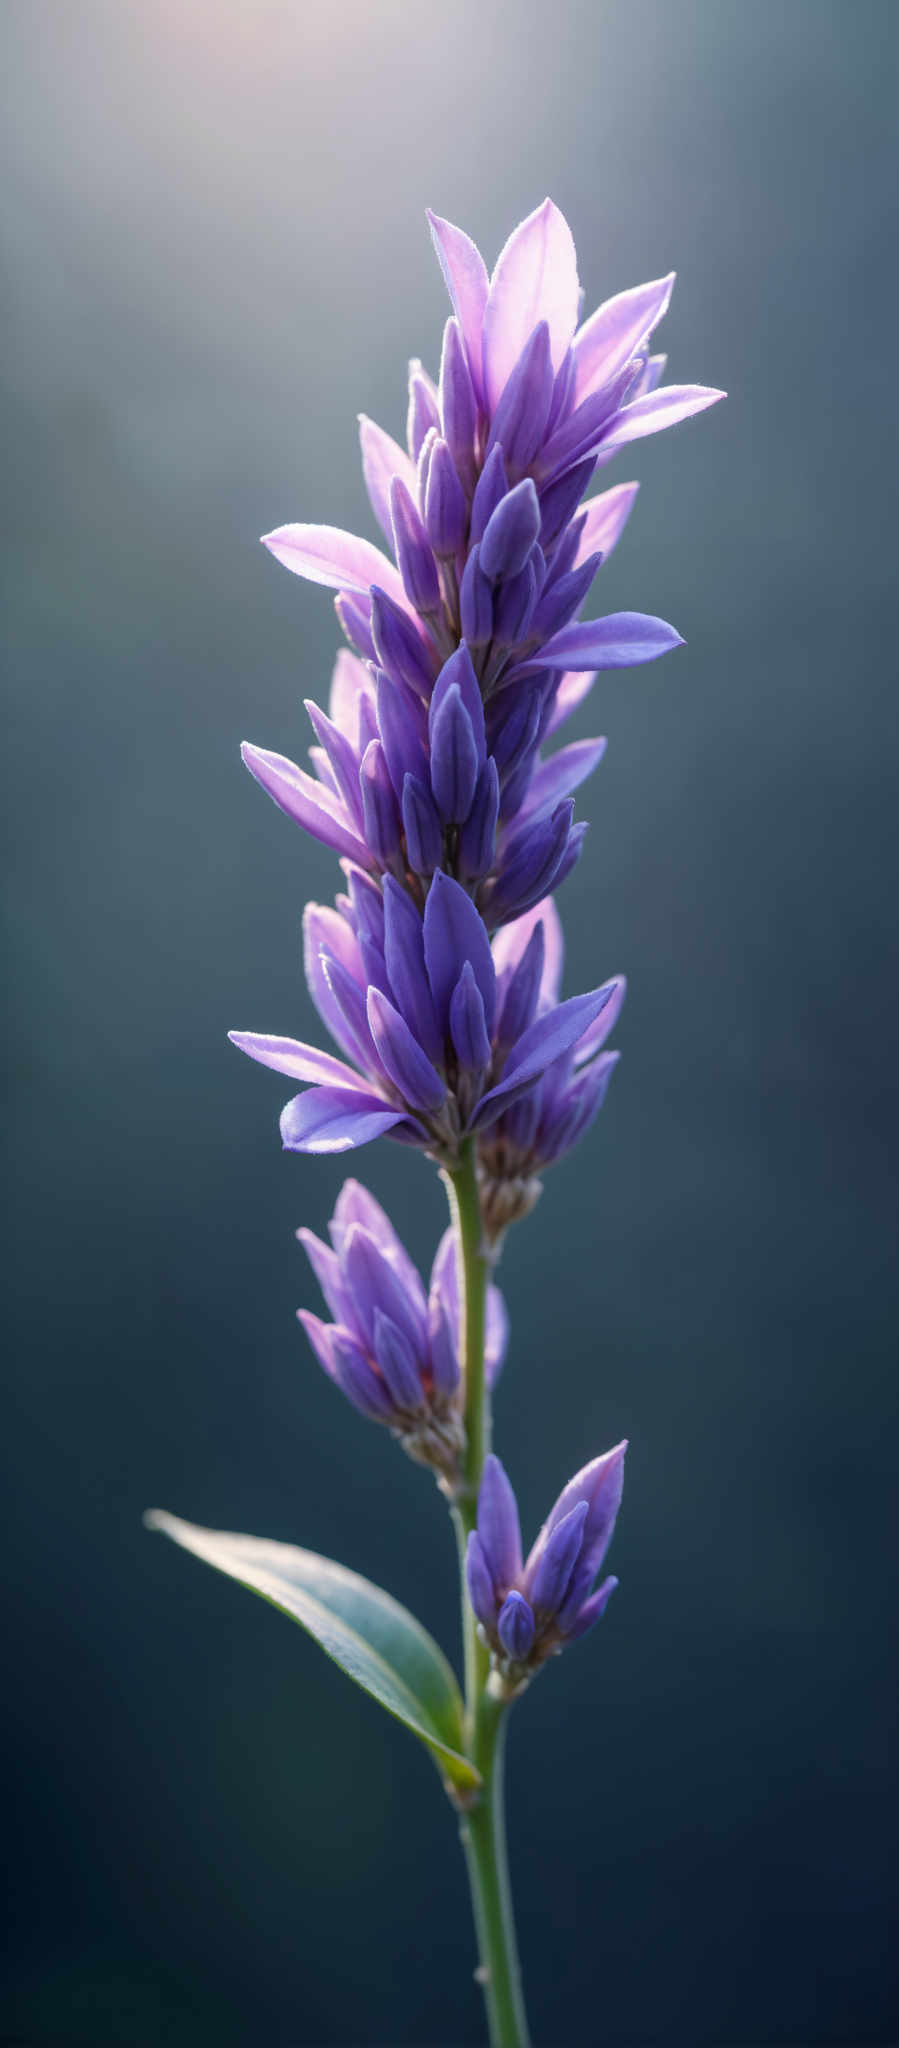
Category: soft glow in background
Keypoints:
(216, 255)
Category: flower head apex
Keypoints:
(469, 648)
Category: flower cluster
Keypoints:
(528, 1611)
(394, 1350)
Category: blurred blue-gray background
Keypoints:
(215, 255)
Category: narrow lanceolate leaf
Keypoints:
(375, 1641)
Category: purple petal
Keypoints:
(335, 1120)
(458, 404)
(326, 1267)
(490, 490)
(341, 758)
(445, 1281)
(380, 811)
(659, 409)
(401, 1056)
(320, 1336)
(325, 933)
(382, 460)
(356, 1204)
(480, 1583)
(289, 1056)
(614, 332)
(572, 690)
(592, 1610)
(510, 532)
(515, 1628)
(510, 945)
(325, 554)
(454, 758)
(520, 989)
(548, 1584)
(404, 957)
(401, 726)
(496, 1335)
(349, 681)
(398, 1364)
(600, 1484)
(442, 1346)
(458, 672)
(446, 506)
(309, 803)
(423, 416)
(622, 640)
(545, 1040)
(466, 281)
(562, 773)
(468, 1030)
(498, 1525)
(376, 1284)
(602, 1026)
(418, 569)
(605, 519)
(520, 419)
(535, 279)
(477, 837)
(453, 933)
(357, 1378)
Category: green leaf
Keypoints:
(375, 1641)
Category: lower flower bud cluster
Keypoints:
(393, 1349)
(530, 1610)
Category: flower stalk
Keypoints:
(482, 1825)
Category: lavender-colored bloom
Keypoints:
(538, 1129)
(528, 1611)
(412, 1004)
(492, 558)
(392, 1348)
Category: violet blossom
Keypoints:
(438, 1047)
(394, 1350)
(529, 1610)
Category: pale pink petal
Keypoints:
(466, 281)
(572, 690)
(657, 410)
(305, 800)
(535, 279)
(607, 517)
(382, 460)
(342, 561)
(511, 942)
(349, 681)
(290, 1056)
(614, 333)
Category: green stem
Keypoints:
(482, 1828)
